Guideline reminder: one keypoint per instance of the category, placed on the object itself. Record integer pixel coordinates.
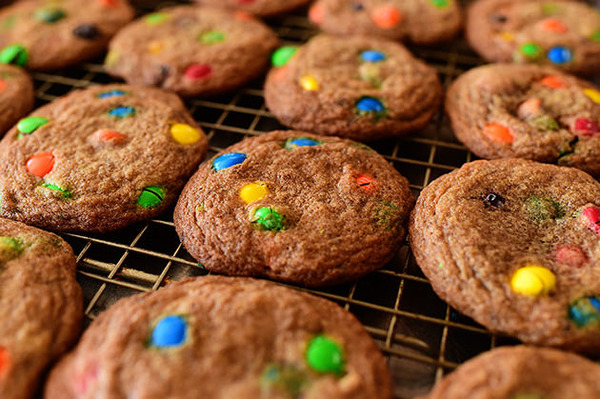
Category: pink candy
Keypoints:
(530, 107)
(592, 215)
(571, 256)
(585, 127)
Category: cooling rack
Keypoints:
(421, 337)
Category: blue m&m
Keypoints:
(560, 55)
(372, 56)
(169, 332)
(112, 93)
(370, 105)
(228, 160)
(585, 311)
(121, 112)
(300, 142)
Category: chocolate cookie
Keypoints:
(361, 88)
(514, 245)
(219, 337)
(522, 372)
(296, 207)
(564, 34)
(40, 305)
(418, 21)
(527, 111)
(264, 8)
(16, 95)
(99, 159)
(44, 35)
(191, 50)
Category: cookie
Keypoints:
(16, 96)
(296, 207)
(522, 372)
(417, 21)
(563, 34)
(527, 111)
(513, 244)
(40, 305)
(241, 338)
(263, 8)
(42, 35)
(98, 159)
(191, 50)
(360, 88)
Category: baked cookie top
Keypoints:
(417, 21)
(191, 50)
(16, 95)
(264, 8)
(514, 245)
(40, 305)
(45, 35)
(522, 372)
(563, 34)
(98, 159)
(241, 338)
(296, 207)
(527, 111)
(358, 87)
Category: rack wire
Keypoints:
(421, 336)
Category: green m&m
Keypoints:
(14, 54)
(282, 55)
(269, 219)
(30, 124)
(152, 196)
(326, 356)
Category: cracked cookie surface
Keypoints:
(191, 50)
(40, 305)
(563, 34)
(521, 372)
(98, 159)
(359, 88)
(514, 245)
(292, 345)
(296, 207)
(527, 111)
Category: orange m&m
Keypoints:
(386, 16)
(555, 82)
(498, 133)
(40, 164)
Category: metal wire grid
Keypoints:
(422, 337)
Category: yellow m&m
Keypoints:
(253, 192)
(185, 134)
(594, 95)
(309, 83)
(533, 281)
(155, 47)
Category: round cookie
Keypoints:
(527, 111)
(191, 50)
(521, 372)
(417, 21)
(263, 8)
(564, 34)
(43, 35)
(241, 338)
(296, 207)
(99, 159)
(360, 88)
(40, 305)
(513, 244)
(16, 96)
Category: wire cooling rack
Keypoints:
(421, 336)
